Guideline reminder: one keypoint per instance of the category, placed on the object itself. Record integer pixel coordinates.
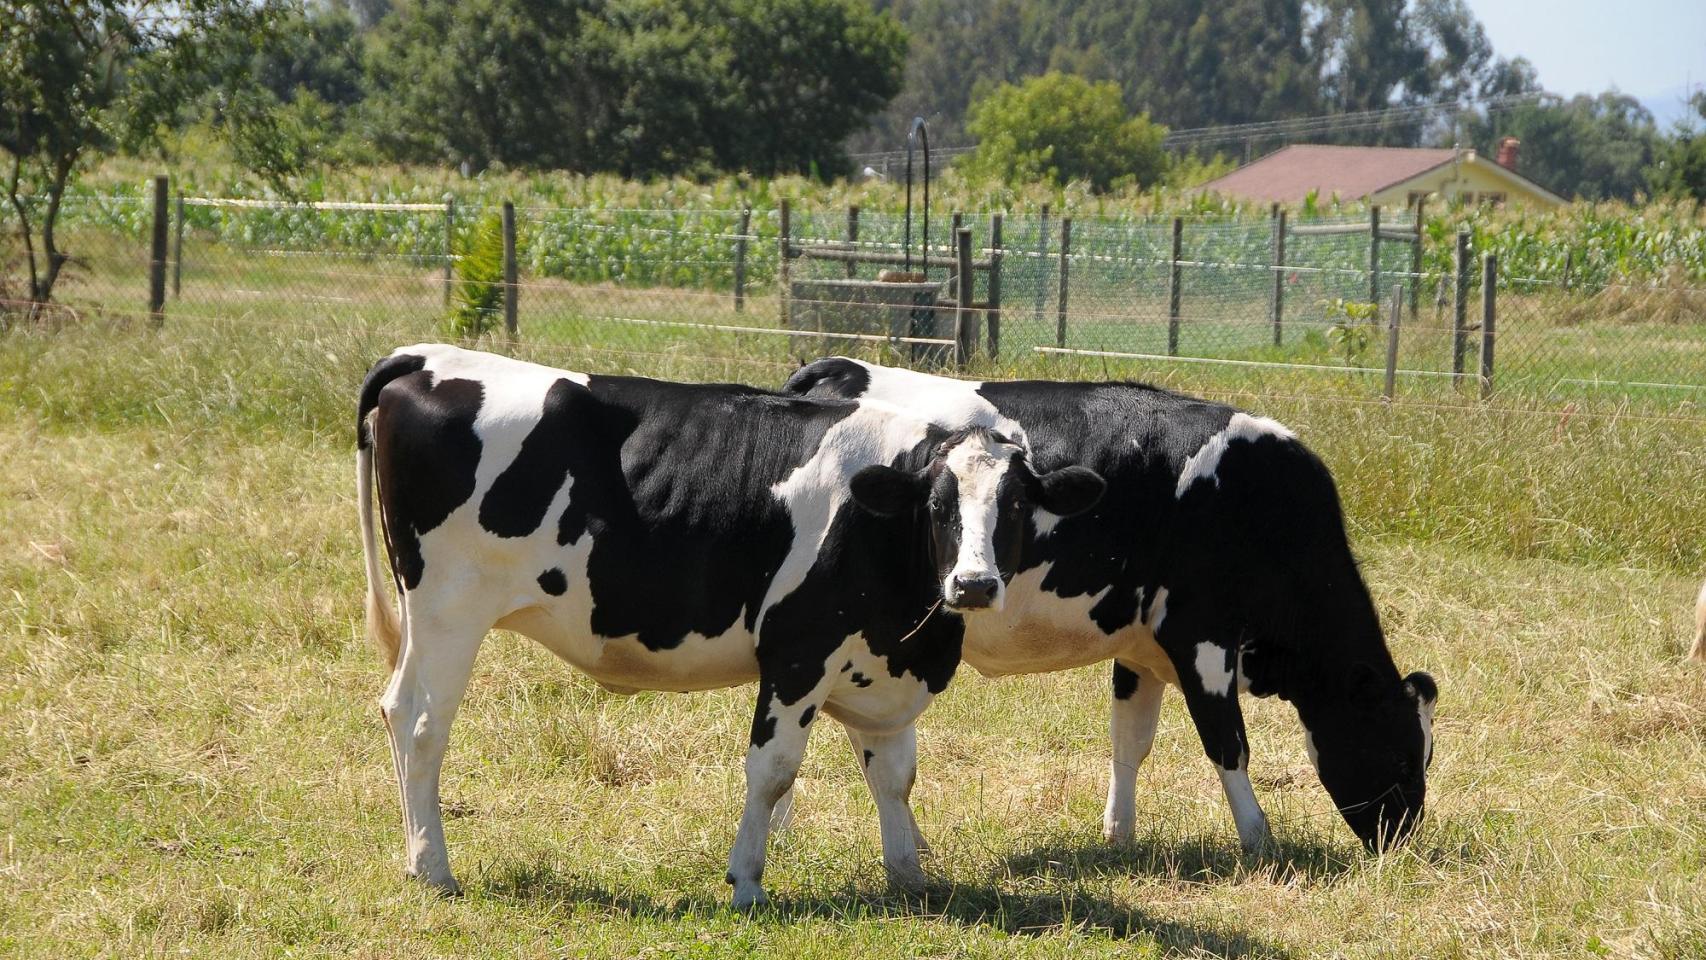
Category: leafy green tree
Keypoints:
(1680, 168)
(1592, 147)
(1060, 128)
(82, 79)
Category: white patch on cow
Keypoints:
(1246, 812)
(978, 463)
(1044, 522)
(1156, 614)
(815, 490)
(1212, 671)
(1206, 461)
(945, 402)
(1425, 712)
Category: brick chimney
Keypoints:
(1508, 147)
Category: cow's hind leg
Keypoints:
(1209, 680)
(779, 734)
(890, 762)
(419, 705)
(1136, 713)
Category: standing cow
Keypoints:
(669, 537)
(1217, 562)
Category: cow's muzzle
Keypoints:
(979, 593)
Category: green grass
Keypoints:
(191, 760)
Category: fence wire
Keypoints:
(644, 290)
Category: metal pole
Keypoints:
(157, 255)
(178, 251)
(1460, 304)
(1042, 266)
(1065, 261)
(993, 314)
(965, 331)
(1174, 292)
(449, 248)
(740, 259)
(1374, 254)
(1489, 314)
(1392, 342)
(511, 290)
(782, 285)
(1279, 273)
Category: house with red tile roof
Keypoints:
(1390, 176)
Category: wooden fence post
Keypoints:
(178, 251)
(511, 290)
(740, 259)
(1175, 296)
(1279, 273)
(782, 290)
(1416, 258)
(1374, 253)
(1065, 262)
(1460, 304)
(1489, 316)
(965, 328)
(1392, 343)
(157, 255)
(449, 247)
(1042, 264)
(852, 237)
(993, 315)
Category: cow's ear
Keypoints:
(1422, 687)
(888, 492)
(1070, 491)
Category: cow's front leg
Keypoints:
(1136, 713)
(890, 762)
(779, 734)
(1208, 677)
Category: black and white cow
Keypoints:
(1217, 562)
(663, 536)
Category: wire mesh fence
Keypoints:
(1344, 306)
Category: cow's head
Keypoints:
(1372, 748)
(977, 490)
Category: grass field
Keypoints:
(191, 761)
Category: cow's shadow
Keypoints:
(1196, 859)
(977, 903)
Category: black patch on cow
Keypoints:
(868, 756)
(1125, 682)
(806, 716)
(426, 459)
(380, 374)
(763, 721)
(829, 377)
(847, 666)
(553, 582)
(516, 503)
(860, 680)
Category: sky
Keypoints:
(1652, 50)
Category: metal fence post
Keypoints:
(782, 293)
(965, 331)
(1174, 293)
(1042, 264)
(449, 248)
(1374, 254)
(993, 314)
(1489, 316)
(511, 290)
(1392, 342)
(157, 255)
(852, 237)
(178, 251)
(1065, 262)
(1460, 304)
(1279, 273)
(740, 259)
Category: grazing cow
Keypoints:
(1216, 562)
(664, 536)
(1698, 654)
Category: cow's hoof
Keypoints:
(1117, 832)
(442, 884)
(750, 898)
(908, 878)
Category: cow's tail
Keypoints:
(1698, 654)
(383, 627)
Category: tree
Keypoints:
(1593, 147)
(1059, 128)
(81, 78)
(1680, 170)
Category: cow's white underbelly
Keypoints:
(1040, 632)
(624, 664)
